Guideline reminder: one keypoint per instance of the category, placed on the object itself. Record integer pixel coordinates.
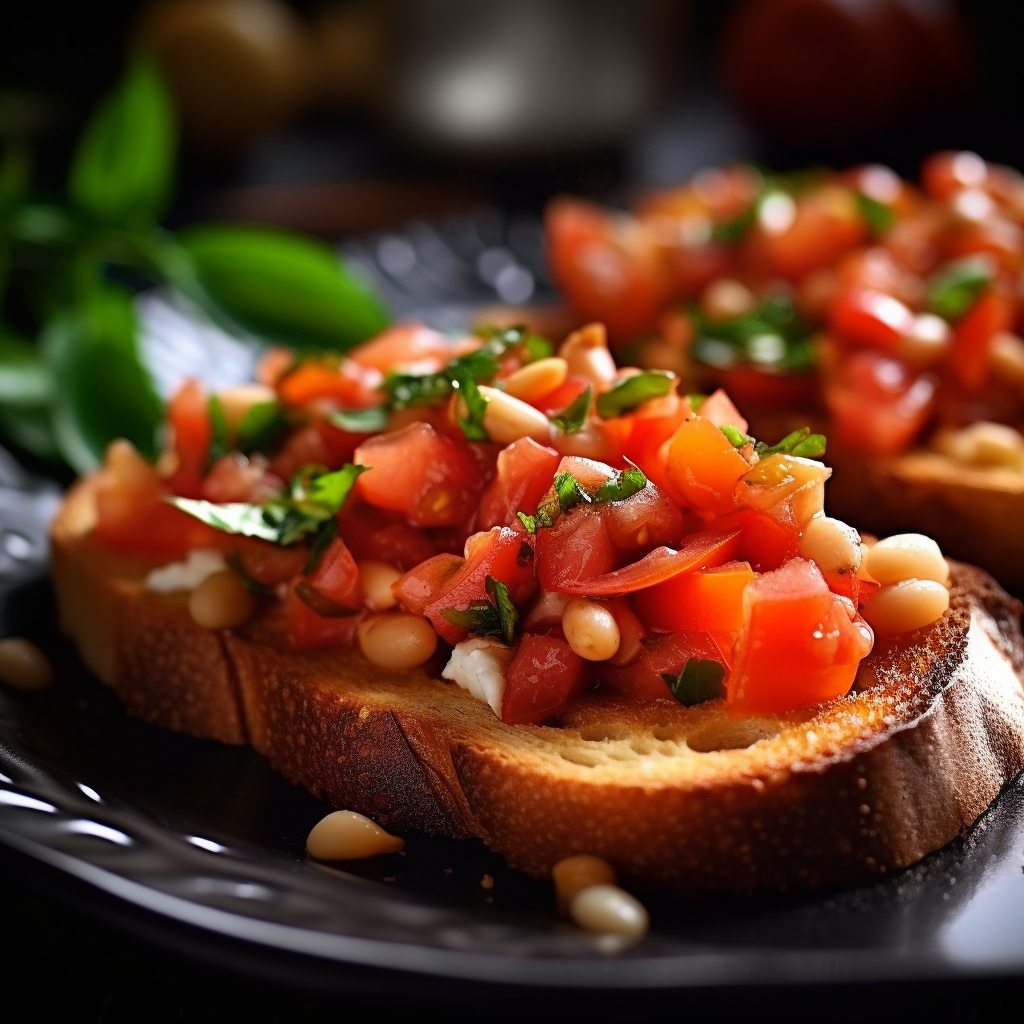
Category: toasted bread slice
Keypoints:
(689, 800)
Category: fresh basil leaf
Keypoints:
(772, 337)
(956, 286)
(360, 421)
(261, 428)
(623, 486)
(24, 376)
(801, 443)
(735, 436)
(121, 170)
(878, 216)
(571, 419)
(472, 423)
(508, 617)
(101, 389)
(569, 492)
(701, 679)
(220, 443)
(479, 617)
(314, 500)
(530, 522)
(533, 345)
(407, 389)
(628, 393)
(283, 286)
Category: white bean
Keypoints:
(907, 556)
(572, 875)
(832, 545)
(377, 578)
(536, 379)
(607, 908)
(507, 419)
(903, 607)
(23, 666)
(396, 640)
(590, 629)
(221, 601)
(346, 835)
(586, 353)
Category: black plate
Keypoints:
(205, 840)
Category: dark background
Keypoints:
(360, 162)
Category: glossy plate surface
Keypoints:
(196, 834)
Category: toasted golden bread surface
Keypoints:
(689, 800)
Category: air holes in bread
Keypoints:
(730, 735)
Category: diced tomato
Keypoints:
(709, 600)
(306, 629)
(719, 408)
(267, 563)
(450, 581)
(663, 563)
(235, 477)
(973, 334)
(800, 643)
(334, 586)
(789, 488)
(544, 675)
(427, 476)
(347, 382)
(702, 466)
(765, 541)
(643, 521)
(866, 316)
(302, 448)
(564, 395)
(411, 346)
(525, 470)
(877, 404)
(384, 537)
(192, 433)
(606, 265)
(649, 429)
(752, 387)
(945, 173)
(666, 654)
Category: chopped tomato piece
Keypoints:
(411, 347)
(333, 587)
(427, 476)
(866, 316)
(662, 655)
(973, 334)
(719, 408)
(800, 643)
(765, 541)
(192, 433)
(450, 581)
(524, 473)
(542, 678)
(307, 629)
(346, 382)
(703, 467)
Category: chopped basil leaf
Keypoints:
(472, 423)
(569, 491)
(533, 523)
(735, 436)
(700, 680)
(574, 415)
(495, 617)
(629, 392)
(626, 484)
(801, 443)
(220, 443)
(315, 499)
(878, 216)
(321, 541)
(772, 337)
(953, 289)
(360, 421)
(261, 428)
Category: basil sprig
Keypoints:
(801, 443)
(701, 679)
(628, 393)
(571, 419)
(567, 492)
(954, 288)
(314, 499)
(772, 337)
(496, 616)
(69, 337)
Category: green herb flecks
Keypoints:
(801, 443)
(878, 216)
(571, 419)
(957, 286)
(628, 393)
(701, 679)
(773, 338)
(622, 486)
(497, 616)
(314, 499)
(567, 492)
(361, 421)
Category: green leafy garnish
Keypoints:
(878, 216)
(772, 337)
(314, 500)
(220, 442)
(701, 679)
(571, 419)
(623, 486)
(261, 428)
(801, 443)
(494, 617)
(628, 393)
(472, 423)
(953, 289)
(360, 421)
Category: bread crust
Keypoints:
(688, 800)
